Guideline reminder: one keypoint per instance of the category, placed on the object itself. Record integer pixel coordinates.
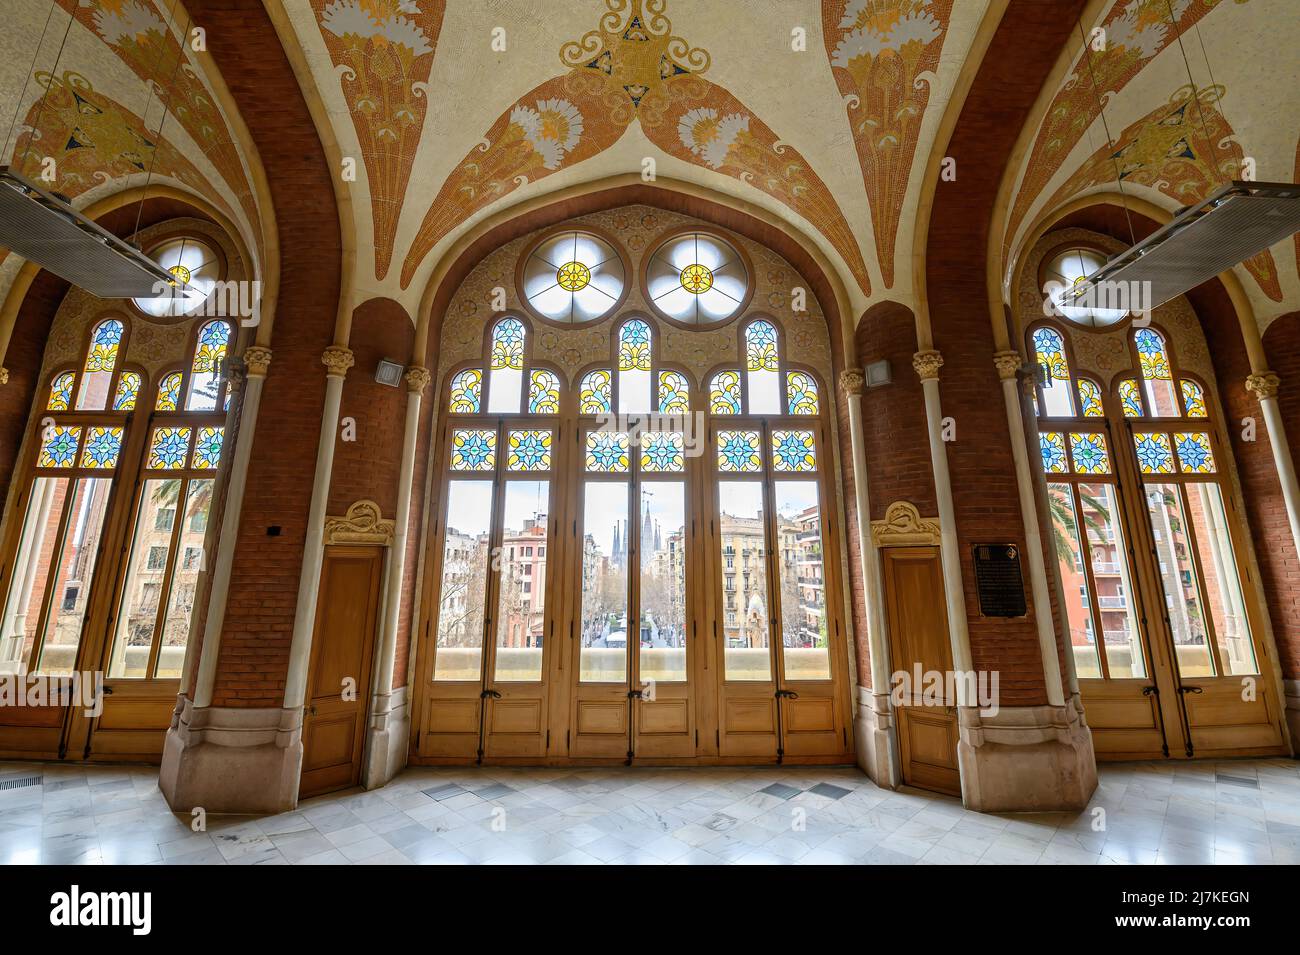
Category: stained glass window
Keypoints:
(793, 451)
(169, 448)
(1090, 398)
(607, 451)
(59, 446)
(1130, 398)
(663, 451)
(800, 393)
(761, 363)
(634, 367)
(128, 389)
(508, 344)
(573, 277)
(1049, 352)
(1153, 452)
(1194, 453)
(697, 279)
(1052, 446)
(169, 392)
(207, 448)
(61, 392)
(466, 389)
(103, 444)
(506, 367)
(1157, 378)
(101, 359)
(1089, 453)
(529, 450)
(739, 451)
(724, 393)
(473, 449)
(674, 393)
(1193, 399)
(209, 352)
(543, 392)
(594, 393)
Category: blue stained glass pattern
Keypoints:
(607, 451)
(128, 389)
(1193, 399)
(793, 451)
(212, 344)
(724, 393)
(1090, 398)
(663, 451)
(739, 451)
(508, 344)
(594, 393)
(1050, 349)
(760, 347)
(1152, 357)
(1052, 446)
(1194, 454)
(466, 390)
(473, 449)
(1153, 453)
(1130, 398)
(674, 393)
(168, 449)
(800, 393)
(103, 444)
(61, 392)
(634, 346)
(59, 446)
(1089, 453)
(529, 451)
(207, 448)
(103, 346)
(543, 392)
(169, 392)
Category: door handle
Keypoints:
(1150, 691)
(107, 691)
(634, 694)
(309, 710)
(788, 694)
(492, 693)
(1191, 689)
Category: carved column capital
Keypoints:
(1008, 363)
(235, 371)
(417, 379)
(1264, 385)
(337, 360)
(257, 360)
(851, 382)
(927, 364)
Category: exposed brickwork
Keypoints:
(264, 582)
(23, 359)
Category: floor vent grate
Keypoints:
(21, 782)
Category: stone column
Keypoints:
(1265, 386)
(337, 360)
(390, 721)
(1008, 364)
(874, 730)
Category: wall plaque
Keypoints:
(1000, 582)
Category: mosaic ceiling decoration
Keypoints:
(382, 51)
(1185, 149)
(884, 57)
(632, 68)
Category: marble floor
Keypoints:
(1239, 812)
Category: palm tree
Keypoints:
(1096, 516)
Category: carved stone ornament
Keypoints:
(904, 526)
(4, 376)
(337, 360)
(851, 382)
(1264, 385)
(417, 379)
(927, 364)
(1008, 363)
(364, 523)
(257, 360)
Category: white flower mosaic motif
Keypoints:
(553, 129)
(917, 26)
(708, 136)
(131, 23)
(1147, 38)
(346, 18)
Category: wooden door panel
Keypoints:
(928, 746)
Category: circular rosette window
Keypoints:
(195, 270)
(1071, 268)
(574, 277)
(697, 279)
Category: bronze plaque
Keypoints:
(1000, 582)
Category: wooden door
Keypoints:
(919, 644)
(342, 656)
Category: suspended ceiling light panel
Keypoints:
(1238, 221)
(45, 229)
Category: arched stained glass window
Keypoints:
(1193, 399)
(543, 392)
(128, 390)
(61, 392)
(801, 393)
(1054, 389)
(595, 393)
(205, 372)
(1090, 398)
(761, 368)
(506, 366)
(1157, 378)
(674, 393)
(101, 360)
(725, 394)
(466, 390)
(1130, 396)
(634, 346)
(169, 392)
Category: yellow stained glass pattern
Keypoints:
(103, 444)
(634, 346)
(1130, 397)
(738, 451)
(473, 449)
(169, 392)
(529, 450)
(1153, 453)
(59, 446)
(573, 276)
(724, 393)
(61, 392)
(663, 451)
(466, 391)
(594, 393)
(760, 347)
(607, 452)
(543, 392)
(508, 344)
(801, 393)
(1194, 453)
(1153, 357)
(1090, 398)
(674, 393)
(1089, 453)
(168, 449)
(1193, 399)
(793, 451)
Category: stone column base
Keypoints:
(227, 759)
(388, 742)
(874, 733)
(1026, 758)
(1292, 712)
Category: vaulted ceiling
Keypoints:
(828, 115)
